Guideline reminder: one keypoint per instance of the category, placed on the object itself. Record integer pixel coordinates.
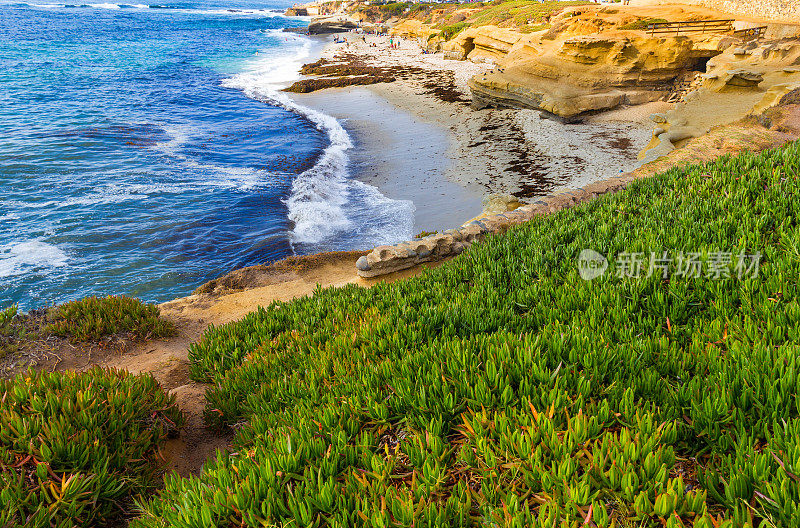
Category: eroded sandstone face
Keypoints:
(744, 80)
(589, 60)
(586, 73)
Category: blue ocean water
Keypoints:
(145, 149)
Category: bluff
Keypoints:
(587, 61)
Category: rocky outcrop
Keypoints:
(426, 36)
(483, 43)
(745, 79)
(592, 58)
(413, 29)
(587, 73)
(334, 24)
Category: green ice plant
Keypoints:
(93, 318)
(10, 332)
(75, 447)
(501, 389)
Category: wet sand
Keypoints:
(403, 156)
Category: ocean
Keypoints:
(146, 149)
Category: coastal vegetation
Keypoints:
(88, 320)
(448, 32)
(449, 17)
(76, 447)
(643, 23)
(10, 330)
(518, 13)
(93, 318)
(502, 389)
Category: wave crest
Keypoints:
(17, 258)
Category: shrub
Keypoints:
(93, 318)
(11, 332)
(520, 11)
(502, 389)
(75, 447)
(448, 32)
(394, 9)
(642, 24)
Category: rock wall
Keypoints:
(783, 10)
(484, 43)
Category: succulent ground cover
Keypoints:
(76, 447)
(11, 331)
(519, 13)
(452, 18)
(502, 389)
(93, 318)
(96, 324)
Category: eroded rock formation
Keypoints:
(334, 24)
(591, 59)
(745, 79)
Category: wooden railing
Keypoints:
(696, 26)
(750, 33)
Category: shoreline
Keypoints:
(402, 156)
(489, 152)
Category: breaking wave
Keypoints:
(319, 196)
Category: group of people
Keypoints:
(394, 42)
(343, 40)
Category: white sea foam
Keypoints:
(385, 221)
(17, 258)
(105, 6)
(318, 195)
(179, 135)
(266, 13)
(213, 175)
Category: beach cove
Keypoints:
(489, 156)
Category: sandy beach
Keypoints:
(428, 146)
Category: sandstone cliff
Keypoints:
(591, 58)
(744, 80)
(483, 43)
(572, 76)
